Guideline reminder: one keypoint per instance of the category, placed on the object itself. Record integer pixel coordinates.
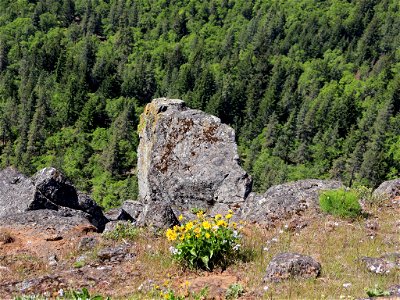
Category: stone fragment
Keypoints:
(291, 265)
(87, 243)
(133, 208)
(383, 265)
(188, 158)
(118, 214)
(158, 216)
(116, 254)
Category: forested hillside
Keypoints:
(311, 87)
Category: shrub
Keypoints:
(234, 291)
(341, 203)
(205, 242)
(377, 292)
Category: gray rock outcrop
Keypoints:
(188, 158)
(285, 200)
(388, 190)
(292, 265)
(48, 189)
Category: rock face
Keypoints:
(47, 191)
(284, 200)
(188, 158)
(388, 189)
(292, 265)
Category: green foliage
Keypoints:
(170, 294)
(122, 231)
(377, 291)
(234, 291)
(341, 203)
(84, 295)
(206, 242)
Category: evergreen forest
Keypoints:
(312, 87)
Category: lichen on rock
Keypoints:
(188, 158)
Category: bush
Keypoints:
(341, 203)
(205, 242)
(234, 291)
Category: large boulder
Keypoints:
(388, 190)
(282, 201)
(47, 189)
(188, 158)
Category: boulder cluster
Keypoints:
(187, 160)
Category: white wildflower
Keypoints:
(173, 250)
(236, 247)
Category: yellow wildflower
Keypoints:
(200, 214)
(180, 218)
(222, 223)
(234, 225)
(189, 225)
(230, 211)
(171, 234)
(207, 235)
(218, 216)
(228, 216)
(206, 225)
(197, 230)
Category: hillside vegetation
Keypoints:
(311, 87)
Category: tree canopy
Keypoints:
(311, 87)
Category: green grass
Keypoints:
(341, 203)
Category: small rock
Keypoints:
(6, 238)
(395, 290)
(133, 208)
(292, 265)
(159, 215)
(116, 254)
(382, 265)
(53, 260)
(87, 243)
(53, 237)
(372, 225)
(117, 214)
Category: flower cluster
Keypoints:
(205, 242)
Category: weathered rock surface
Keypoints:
(118, 214)
(133, 208)
(385, 264)
(88, 243)
(292, 265)
(282, 201)
(388, 189)
(116, 254)
(157, 215)
(47, 191)
(188, 158)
